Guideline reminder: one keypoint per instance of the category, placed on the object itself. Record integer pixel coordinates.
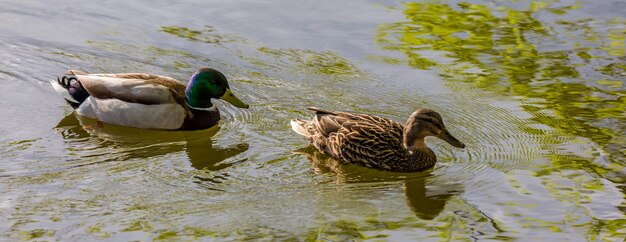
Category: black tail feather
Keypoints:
(74, 88)
(319, 110)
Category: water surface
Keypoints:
(535, 89)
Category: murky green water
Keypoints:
(535, 89)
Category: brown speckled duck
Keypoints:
(374, 141)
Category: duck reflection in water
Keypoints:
(426, 201)
(129, 143)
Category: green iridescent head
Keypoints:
(207, 83)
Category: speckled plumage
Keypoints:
(374, 141)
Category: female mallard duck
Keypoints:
(375, 141)
(147, 101)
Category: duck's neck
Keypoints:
(419, 156)
(202, 118)
(199, 103)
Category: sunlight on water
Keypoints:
(535, 89)
(502, 50)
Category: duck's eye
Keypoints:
(435, 125)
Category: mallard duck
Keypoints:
(147, 101)
(374, 141)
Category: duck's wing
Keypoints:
(327, 122)
(133, 87)
(367, 144)
(364, 139)
(129, 99)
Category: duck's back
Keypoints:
(134, 87)
(363, 139)
(128, 99)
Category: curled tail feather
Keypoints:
(62, 85)
(70, 88)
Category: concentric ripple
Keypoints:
(533, 88)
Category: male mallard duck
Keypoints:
(147, 101)
(375, 141)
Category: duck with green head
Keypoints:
(148, 101)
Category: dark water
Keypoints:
(535, 89)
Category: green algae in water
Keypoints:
(207, 35)
(36, 234)
(505, 44)
(138, 226)
(309, 61)
(145, 191)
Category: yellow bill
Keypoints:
(232, 99)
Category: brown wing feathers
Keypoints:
(356, 138)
